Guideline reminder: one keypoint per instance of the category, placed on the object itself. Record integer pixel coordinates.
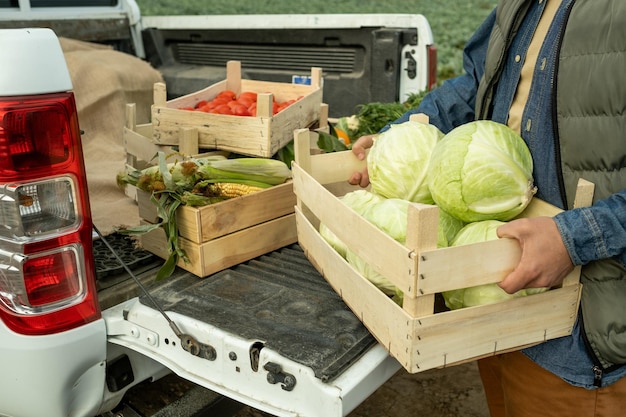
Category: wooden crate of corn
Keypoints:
(209, 213)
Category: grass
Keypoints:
(452, 21)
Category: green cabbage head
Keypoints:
(360, 201)
(397, 162)
(480, 294)
(481, 170)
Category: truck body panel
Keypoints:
(55, 375)
(270, 333)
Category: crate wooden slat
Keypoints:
(262, 135)
(202, 224)
(223, 252)
(415, 334)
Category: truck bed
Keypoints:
(271, 317)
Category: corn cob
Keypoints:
(231, 189)
(269, 171)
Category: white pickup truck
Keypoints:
(77, 332)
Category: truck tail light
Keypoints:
(432, 66)
(47, 278)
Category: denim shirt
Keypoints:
(452, 104)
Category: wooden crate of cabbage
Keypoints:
(419, 337)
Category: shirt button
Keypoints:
(518, 58)
(528, 124)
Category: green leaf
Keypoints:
(330, 143)
(286, 154)
(140, 229)
(168, 267)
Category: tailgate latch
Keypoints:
(277, 376)
(191, 345)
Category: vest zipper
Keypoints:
(555, 127)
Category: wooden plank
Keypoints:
(131, 116)
(233, 77)
(422, 225)
(201, 224)
(189, 141)
(455, 336)
(387, 322)
(468, 265)
(386, 256)
(221, 253)
(584, 193)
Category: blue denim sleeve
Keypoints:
(595, 232)
(452, 103)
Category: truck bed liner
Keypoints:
(278, 299)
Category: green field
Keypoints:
(452, 21)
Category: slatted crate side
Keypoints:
(205, 223)
(226, 251)
(415, 334)
(262, 135)
(445, 338)
(458, 336)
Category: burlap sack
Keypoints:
(104, 81)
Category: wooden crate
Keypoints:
(415, 334)
(202, 224)
(220, 235)
(228, 250)
(262, 135)
(141, 149)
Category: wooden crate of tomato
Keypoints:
(418, 333)
(248, 117)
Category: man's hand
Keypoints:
(545, 261)
(358, 148)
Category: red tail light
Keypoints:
(47, 278)
(432, 67)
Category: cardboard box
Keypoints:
(262, 135)
(419, 337)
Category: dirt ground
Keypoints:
(448, 392)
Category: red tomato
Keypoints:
(240, 110)
(248, 95)
(221, 100)
(201, 103)
(246, 101)
(252, 109)
(222, 109)
(232, 103)
(230, 95)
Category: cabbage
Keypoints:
(448, 228)
(481, 171)
(397, 162)
(359, 201)
(390, 216)
(480, 294)
(370, 274)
